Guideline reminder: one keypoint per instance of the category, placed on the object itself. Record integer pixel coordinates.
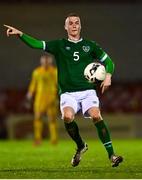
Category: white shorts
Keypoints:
(80, 100)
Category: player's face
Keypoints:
(73, 26)
(46, 62)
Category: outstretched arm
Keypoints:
(30, 41)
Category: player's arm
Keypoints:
(109, 65)
(31, 91)
(32, 85)
(30, 41)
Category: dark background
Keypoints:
(115, 24)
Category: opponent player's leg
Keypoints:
(104, 135)
(38, 126)
(68, 106)
(52, 123)
(39, 110)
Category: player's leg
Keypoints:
(91, 108)
(68, 106)
(52, 122)
(104, 135)
(73, 130)
(102, 129)
(71, 126)
(38, 126)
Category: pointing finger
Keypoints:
(10, 27)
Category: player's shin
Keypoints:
(53, 132)
(104, 136)
(73, 131)
(38, 126)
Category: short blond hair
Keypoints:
(72, 15)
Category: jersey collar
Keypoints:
(75, 41)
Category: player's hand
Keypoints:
(106, 83)
(27, 104)
(28, 101)
(12, 31)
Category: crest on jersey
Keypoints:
(86, 48)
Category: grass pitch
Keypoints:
(20, 159)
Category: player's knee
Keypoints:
(37, 115)
(68, 117)
(96, 117)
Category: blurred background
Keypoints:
(115, 24)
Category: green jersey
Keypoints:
(71, 59)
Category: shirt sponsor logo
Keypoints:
(86, 48)
(68, 48)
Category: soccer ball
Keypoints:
(95, 72)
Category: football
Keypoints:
(95, 72)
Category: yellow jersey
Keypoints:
(44, 81)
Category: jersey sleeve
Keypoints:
(51, 47)
(33, 83)
(32, 42)
(103, 57)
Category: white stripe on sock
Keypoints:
(107, 143)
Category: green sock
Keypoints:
(104, 136)
(73, 131)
